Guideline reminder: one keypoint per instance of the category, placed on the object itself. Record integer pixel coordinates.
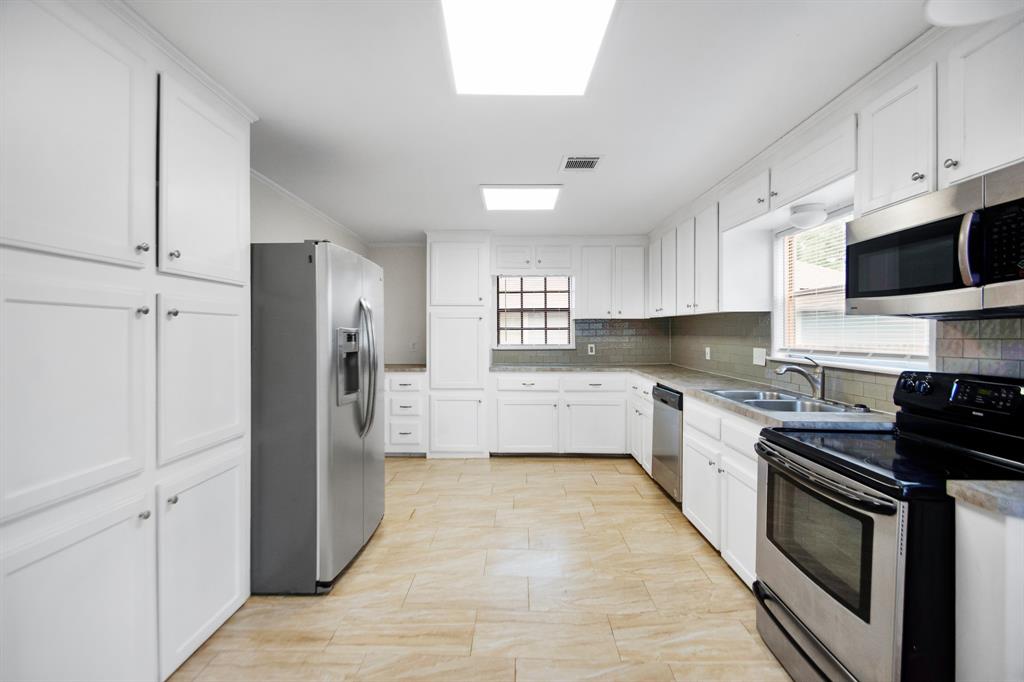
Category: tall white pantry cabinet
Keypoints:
(124, 347)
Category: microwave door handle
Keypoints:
(963, 249)
(827, 487)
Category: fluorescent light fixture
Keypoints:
(524, 47)
(968, 12)
(520, 197)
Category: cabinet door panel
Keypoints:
(668, 273)
(512, 258)
(629, 282)
(597, 426)
(202, 545)
(984, 102)
(897, 144)
(739, 515)
(74, 379)
(458, 348)
(77, 137)
(701, 498)
(654, 280)
(594, 293)
(456, 424)
(204, 188)
(200, 399)
(705, 261)
(827, 158)
(458, 273)
(554, 258)
(81, 604)
(685, 268)
(528, 425)
(744, 203)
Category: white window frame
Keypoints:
(493, 316)
(865, 362)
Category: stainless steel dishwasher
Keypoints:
(667, 444)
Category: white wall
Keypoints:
(280, 216)
(405, 301)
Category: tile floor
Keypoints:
(509, 569)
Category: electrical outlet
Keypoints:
(707, 352)
(760, 357)
(591, 350)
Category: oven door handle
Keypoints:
(823, 485)
(963, 250)
(809, 646)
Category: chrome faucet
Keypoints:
(816, 377)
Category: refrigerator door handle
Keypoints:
(365, 353)
(373, 368)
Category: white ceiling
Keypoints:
(358, 115)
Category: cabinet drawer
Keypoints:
(406, 405)
(527, 382)
(702, 418)
(405, 382)
(740, 435)
(594, 382)
(405, 432)
(641, 388)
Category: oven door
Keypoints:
(830, 550)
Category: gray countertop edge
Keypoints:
(1003, 497)
(403, 367)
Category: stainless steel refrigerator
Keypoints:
(317, 413)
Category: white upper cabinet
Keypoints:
(685, 267)
(629, 282)
(458, 349)
(745, 202)
(541, 259)
(458, 273)
(201, 378)
(510, 258)
(827, 158)
(668, 274)
(204, 188)
(897, 144)
(75, 380)
(654, 280)
(594, 291)
(77, 138)
(705, 261)
(553, 258)
(984, 104)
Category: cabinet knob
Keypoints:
(609, 312)
(950, 163)
(145, 514)
(480, 298)
(620, 312)
(710, 463)
(173, 312)
(174, 254)
(773, 193)
(689, 305)
(721, 470)
(760, 200)
(173, 499)
(528, 261)
(142, 248)
(916, 176)
(144, 310)
(538, 261)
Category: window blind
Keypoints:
(814, 304)
(534, 311)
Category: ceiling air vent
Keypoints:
(579, 164)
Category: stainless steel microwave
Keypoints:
(953, 254)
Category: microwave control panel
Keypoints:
(1004, 241)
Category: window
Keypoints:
(535, 311)
(812, 306)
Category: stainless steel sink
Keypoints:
(795, 406)
(754, 395)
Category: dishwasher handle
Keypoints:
(667, 396)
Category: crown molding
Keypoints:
(303, 204)
(392, 245)
(130, 16)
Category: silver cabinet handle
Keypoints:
(773, 193)
(721, 470)
(143, 310)
(405, 384)
(406, 407)
(142, 248)
(950, 163)
(636, 388)
(710, 463)
(174, 254)
(760, 200)
(646, 392)
(527, 383)
(405, 433)
(173, 499)
(173, 312)
(595, 384)
(917, 177)
(145, 514)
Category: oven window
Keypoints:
(829, 542)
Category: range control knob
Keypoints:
(924, 388)
(909, 384)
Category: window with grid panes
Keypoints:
(814, 319)
(534, 311)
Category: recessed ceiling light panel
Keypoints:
(524, 47)
(520, 197)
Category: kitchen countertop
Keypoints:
(694, 383)
(1002, 497)
(405, 368)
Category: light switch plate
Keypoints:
(707, 352)
(760, 357)
(591, 350)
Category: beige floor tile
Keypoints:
(541, 670)
(536, 562)
(648, 566)
(667, 637)
(627, 520)
(557, 504)
(672, 596)
(594, 594)
(527, 518)
(452, 518)
(195, 664)
(469, 592)
(433, 631)
(446, 487)
(475, 502)
(729, 672)
(400, 560)
(409, 667)
(552, 636)
(586, 540)
(402, 534)
(229, 638)
(280, 665)
(368, 590)
(663, 543)
(481, 538)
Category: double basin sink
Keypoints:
(775, 401)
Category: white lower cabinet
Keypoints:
(596, 425)
(528, 424)
(202, 527)
(80, 604)
(641, 431)
(457, 424)
(738, 538)
(701, 498)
